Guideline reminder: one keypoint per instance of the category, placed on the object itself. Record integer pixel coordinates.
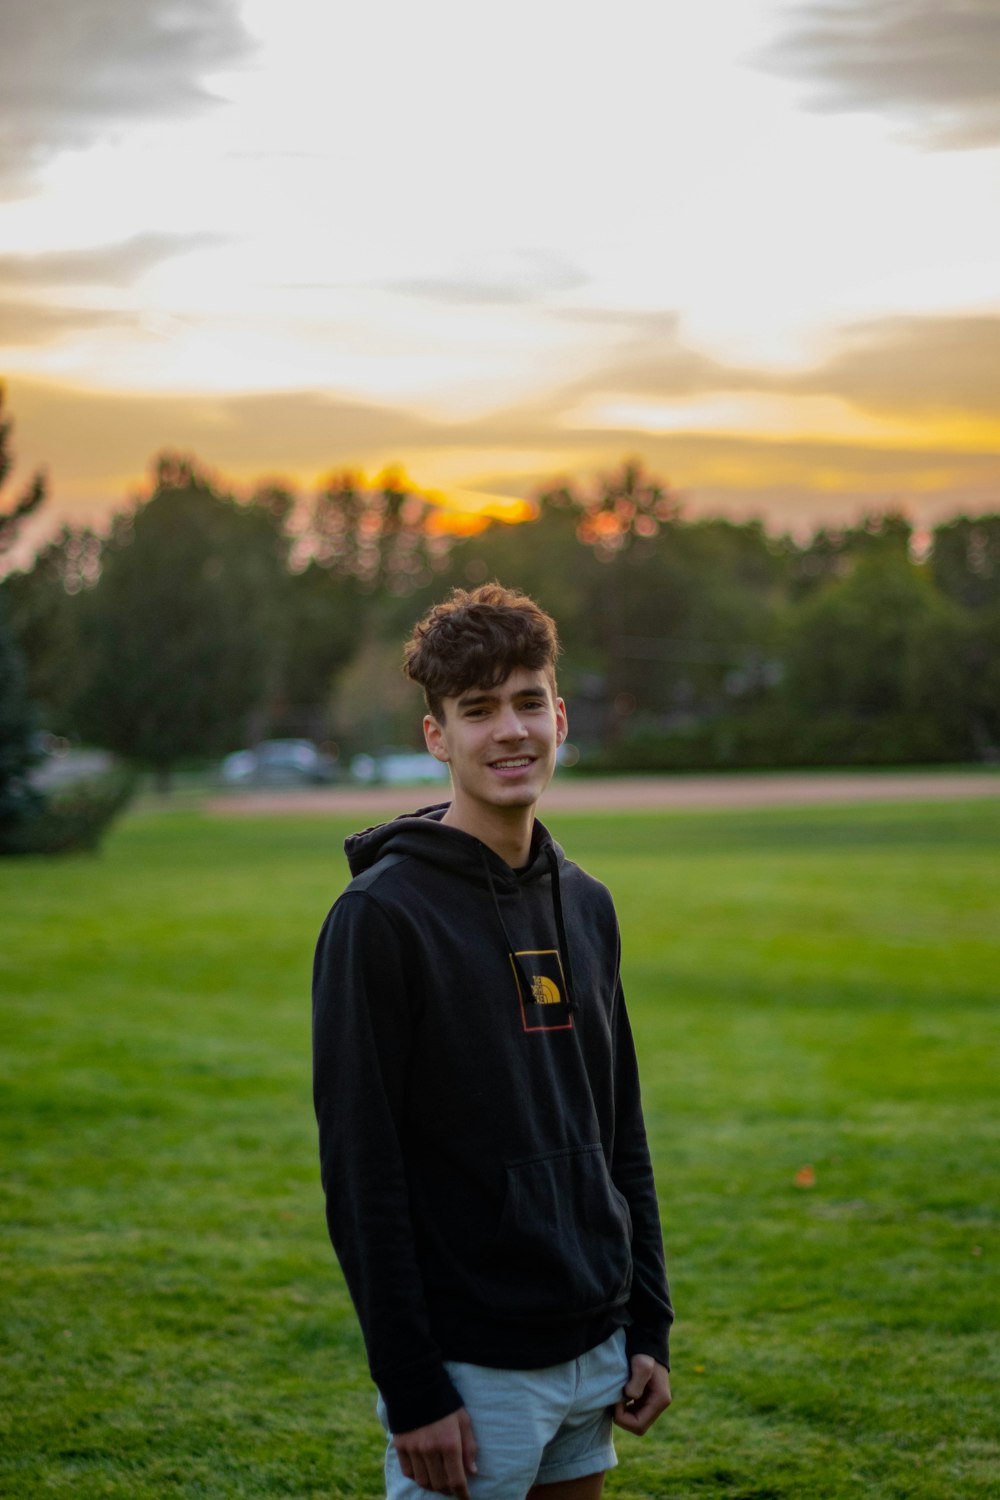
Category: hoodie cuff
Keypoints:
(417, 1396)
(646, 1341)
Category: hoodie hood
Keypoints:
(423, 835)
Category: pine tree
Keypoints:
(17, 755)
(18, 800)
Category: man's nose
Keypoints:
(510, 726)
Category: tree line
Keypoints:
(199, 623)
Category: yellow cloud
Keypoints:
(788, 458)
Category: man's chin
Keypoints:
(525, 794)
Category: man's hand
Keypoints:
(439, 1457)
(645, 1397)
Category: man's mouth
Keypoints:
(513, 763)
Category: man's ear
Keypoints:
(562, 723)
(434, 738)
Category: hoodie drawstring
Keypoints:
(525, 982)
(553, 862)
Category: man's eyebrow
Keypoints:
(475, 697)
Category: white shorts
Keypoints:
(532, 1426)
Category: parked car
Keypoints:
(59, 763)
(279, 763)
(398, 768)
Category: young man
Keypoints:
(488, 1186)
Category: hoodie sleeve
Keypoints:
(361, 1033)
(632, 1174)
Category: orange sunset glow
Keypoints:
(756, 246)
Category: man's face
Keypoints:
(500, 743)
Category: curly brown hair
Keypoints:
(476, 640)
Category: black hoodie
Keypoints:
(488, 1187)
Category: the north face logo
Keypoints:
(544, 991)
(543, 1005)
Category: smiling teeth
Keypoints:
(510, 765)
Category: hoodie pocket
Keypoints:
(565, 1235)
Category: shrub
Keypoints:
(777, 738)
(70, 819)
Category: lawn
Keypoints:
(814, 995)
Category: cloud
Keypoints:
(932, 64)
(915, 366)
(790, 484)
(92, 437)
(519, 278)
(809, 459)
(72, 71)
(27, 324)
(898, 365)
(99, 265)
(98, 446)
(653, 360)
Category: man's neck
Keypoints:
(505, 830)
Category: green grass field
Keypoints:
(810, 988)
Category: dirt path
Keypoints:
(635, 793)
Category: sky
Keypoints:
(755, 245)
